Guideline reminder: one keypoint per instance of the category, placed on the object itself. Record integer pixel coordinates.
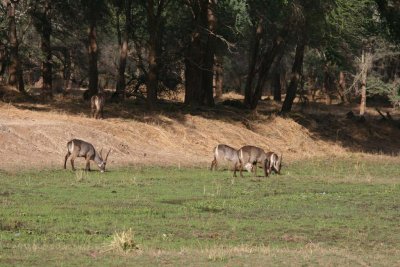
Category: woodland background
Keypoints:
(334, 50)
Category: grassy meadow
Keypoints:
(330, 212)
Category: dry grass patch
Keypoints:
(175, 136)
(123, 242)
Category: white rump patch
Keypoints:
(248, 166)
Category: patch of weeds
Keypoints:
(10, 226)
(80, 175)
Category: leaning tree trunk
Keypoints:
(46, 51)
(296, 75)
(14, 69)
(123, 53)
(276, 50)
(93, 57)
(248, 90)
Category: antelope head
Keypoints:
(102, 164)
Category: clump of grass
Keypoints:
(217, 254)
(80, 175)
(123, 242)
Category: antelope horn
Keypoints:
(101, 152)
(107, 154)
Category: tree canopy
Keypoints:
(146, 48)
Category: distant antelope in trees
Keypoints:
(227, 153)
(97, 105)
(274, 163)
(252, 155)
(78, 148)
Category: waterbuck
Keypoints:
(252, 155)
(97, 105)
(274, 162)
(227, 153)
(78, 148)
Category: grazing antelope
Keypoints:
(274, 163)
(97, 105)
(252, 155)
(78, 148)
(227, 153)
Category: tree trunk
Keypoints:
(152, 79)
(248, 91)
(296, 75)
(66, 60)
(14, 69)
(219, 77)
(93, 57)
(364, 70)
(193, 72)
(67, 70)
(328, 86)
(277, 86)
(209, 53)
(46, 50)
(342, 88)
(3, 57)
(277, 49)
(123, 53)
(154, 28)
(199, 57)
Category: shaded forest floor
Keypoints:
(34, 134)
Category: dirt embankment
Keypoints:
(35, 136)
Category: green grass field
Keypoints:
(321, 212)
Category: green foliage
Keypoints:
(51, 215)
(378, 87)
(350, 24)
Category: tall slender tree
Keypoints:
(46, 49)
(155, 19)
(279, 17)
(15, 68)
(41, 15)
(94, 12)
(123, 42)
(296, 73)
(199, 56)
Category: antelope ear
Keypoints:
(107, 155)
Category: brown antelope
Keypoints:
(274, 163)
(78, 148)
(97, 105)
(252, 155)
(227, 153)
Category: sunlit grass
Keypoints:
(317, 210)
